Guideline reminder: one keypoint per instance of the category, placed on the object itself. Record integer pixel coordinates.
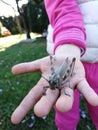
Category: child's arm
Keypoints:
(67, 23)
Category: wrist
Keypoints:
(68, 50)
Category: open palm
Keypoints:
(43, 103)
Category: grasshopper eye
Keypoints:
(68, 71)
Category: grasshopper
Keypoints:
(59, 77)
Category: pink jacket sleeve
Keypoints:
(67, 22)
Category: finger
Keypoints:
(26, 67)
(65, 101)
(30, 66)
(28, 102)
(43, 107)
(88, 92)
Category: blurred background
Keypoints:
(22, 16)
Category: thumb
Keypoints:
(26, 67)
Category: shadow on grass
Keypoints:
(14, 88)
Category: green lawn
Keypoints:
(14, 88)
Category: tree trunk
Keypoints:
(18, 24)
(22, 14)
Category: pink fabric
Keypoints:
(67, 22)
(92, 78)
(69, 120)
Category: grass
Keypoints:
(14, 88)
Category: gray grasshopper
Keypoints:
(62, 75)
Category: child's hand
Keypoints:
(43, 104)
